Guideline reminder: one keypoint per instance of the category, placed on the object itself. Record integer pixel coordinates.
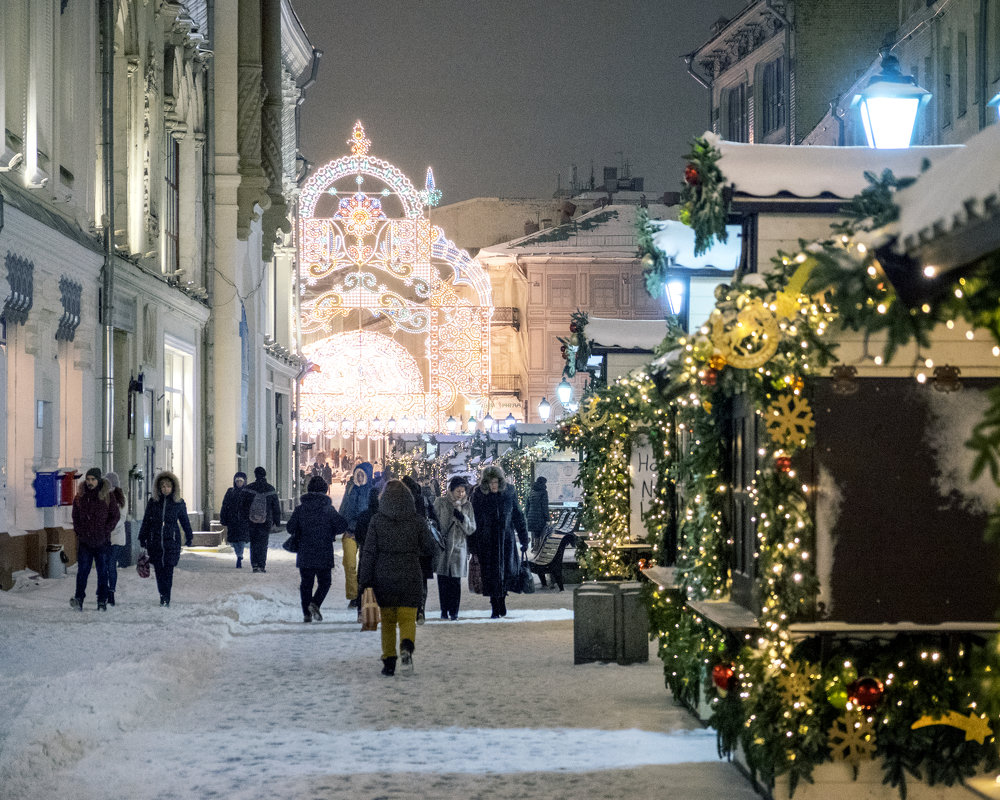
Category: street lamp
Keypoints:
(564, 392)
(995, 103)
(510, 422)
(404, 424)
(471, 425)
(390, 426)
(889, 105)
(451, 424)
(544, 409)
(488, 422)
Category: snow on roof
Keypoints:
(631, 334)
(954, 192)
(607, 232)
(766, 170)
(676, 241)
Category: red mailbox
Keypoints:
(67, 488)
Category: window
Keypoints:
(562, 291)
(172, 208)
(735, 127)
(772, 97)
(963, 74)
(604, 291)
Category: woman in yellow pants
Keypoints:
(390, 565)
(354, 504)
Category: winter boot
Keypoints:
(111, 598)
(164, 600)
(102, 605)
(239, 562)
(314, 611)
(389, 666)
(76, 602)
(406, 656)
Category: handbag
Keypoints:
(370, 614)
(291, 544)
(527, 577)
(475, 575)
(142, 564)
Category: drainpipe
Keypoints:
(982, 77)
(297, 428)
(706, 83)
(208, 254)
(107, 8)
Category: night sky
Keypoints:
(501, 97)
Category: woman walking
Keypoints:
(312, 528)
(536, 510)
(237, 531)
(454, 511)
(117, 535)
(426, 510)
(499, 528)
(166, 516)
(355, 502)
(390, 565)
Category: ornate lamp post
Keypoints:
(889, 105)
(544, 409)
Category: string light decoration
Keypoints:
(396, 316)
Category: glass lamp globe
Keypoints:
(544, 409)
(889, 105)
(564, 392)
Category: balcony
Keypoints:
(505, 316)
(506, 384)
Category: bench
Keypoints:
(548, 559)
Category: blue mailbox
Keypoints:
(46, 489)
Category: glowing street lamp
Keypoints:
(488, 422)
(889, 105)
(451, 424)
(390, 426)
(471, 425)
(510, 422)
(544, 409)
(404, 424)
(564, 392)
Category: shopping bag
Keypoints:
(142, 564)
(370, 615)
(527, 578)
(475, 575)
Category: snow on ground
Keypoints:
(228, 694)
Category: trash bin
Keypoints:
(610, 623)
(57, 565)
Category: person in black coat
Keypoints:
(537, 510)
(499, 527)
(237, 533)
(166, 516)
(259, 532)
(313, 526)
(425, 510)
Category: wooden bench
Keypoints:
(548, 559)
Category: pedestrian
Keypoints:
(95, 515)
(237, 529)
(458, 523)
(536, 510)
(425, 510)
(259, 511)
(361, 531)
(312, 528)
(388, 474)
(166, 516)
(354, 503)
(499, 527)
(390, 565)
(117, 535)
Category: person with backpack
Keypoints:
(260, 511)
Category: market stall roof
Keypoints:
(628, 334)
(768, 170)
(952, 213)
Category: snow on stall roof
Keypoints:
(952, 192)
(766, 170)
(676, 241)
(640, 334)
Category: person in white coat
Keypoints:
(454, 511)
(117, 535)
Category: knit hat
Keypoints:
(94, 472)
(113, 479)
(259, 473)
(458, 480)
(541, 479)
(317, 484)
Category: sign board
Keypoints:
(642, 472)
(559, 476)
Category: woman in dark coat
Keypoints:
(390, 564)
(237, 531)
(425, 510)
(537, 510)
(166, 516)
(499, 527)
(312, 528)
(354, 504)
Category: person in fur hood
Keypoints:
(390, 565)
(499, 527)
(95, 516)
(166, 516)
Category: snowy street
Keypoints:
(227, 693)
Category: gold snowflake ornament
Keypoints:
(852, 739)
(789, 421)
(795, 685)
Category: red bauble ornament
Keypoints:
(573, 328)
(724, 676)
(866, 693)
(783, 463)
(709, 377)
(562, 349)
(691, 175)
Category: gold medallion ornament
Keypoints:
(751, 341)
(589, 416)
(789, 421)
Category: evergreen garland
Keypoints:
(705, 206)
